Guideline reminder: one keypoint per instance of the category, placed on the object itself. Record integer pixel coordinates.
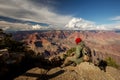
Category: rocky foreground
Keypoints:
(84, 71)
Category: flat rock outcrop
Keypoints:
(84, 71)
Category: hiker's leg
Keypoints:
(67, 60)
(79, 60)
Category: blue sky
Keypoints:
(59, 14)
(99, 11)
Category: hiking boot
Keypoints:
(74, 64)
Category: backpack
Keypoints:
(86, 52)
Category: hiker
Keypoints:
(78, 56)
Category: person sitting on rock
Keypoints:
(78, 56)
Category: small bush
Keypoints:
(111, 62)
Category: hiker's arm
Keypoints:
(83, 45)
(84, 52)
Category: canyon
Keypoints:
(103, 44)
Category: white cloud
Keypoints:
(117, 18)
(19, 26)
(28, 10)
(39, 27)
(81, 24)
(36, 27)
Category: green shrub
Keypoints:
(7, 42)
(111, 62)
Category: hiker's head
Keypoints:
(78, 40)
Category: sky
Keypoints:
(17, 15)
